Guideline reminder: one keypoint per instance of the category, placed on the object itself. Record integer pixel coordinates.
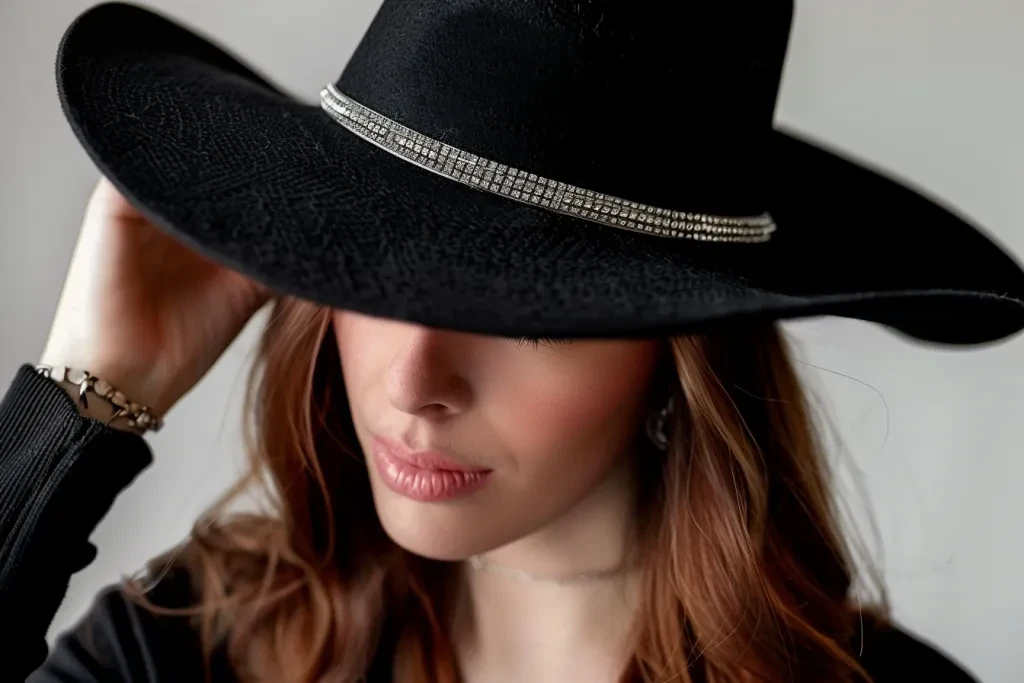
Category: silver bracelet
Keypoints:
(138, 415)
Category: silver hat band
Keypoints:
(530, 188)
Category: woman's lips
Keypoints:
(425, 476)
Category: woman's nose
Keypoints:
(424, 376)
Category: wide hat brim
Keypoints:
(271, 186)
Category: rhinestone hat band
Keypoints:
(530, 188)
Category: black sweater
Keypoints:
(59, 475)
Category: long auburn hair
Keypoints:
(745, 574)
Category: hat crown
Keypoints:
(668, 103)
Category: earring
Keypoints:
(656, 426)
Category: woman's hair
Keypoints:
(745, 575)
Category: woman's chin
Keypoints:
(431, 543)
(437, 532)
(432, 551)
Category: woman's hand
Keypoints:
(141, 311)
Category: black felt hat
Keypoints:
(537, 167)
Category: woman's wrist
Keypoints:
(99, 409)
(135, 378)
(112, 401)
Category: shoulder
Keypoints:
(117, 634)
(891, 654)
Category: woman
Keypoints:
(520, 411)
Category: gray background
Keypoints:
(929, 89)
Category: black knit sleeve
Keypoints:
(59, 475)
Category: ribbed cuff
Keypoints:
(59, 475)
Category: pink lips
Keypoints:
(425, 476)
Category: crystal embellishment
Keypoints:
(529, 188)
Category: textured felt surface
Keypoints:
(274, 187)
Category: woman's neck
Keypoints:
(508, 628)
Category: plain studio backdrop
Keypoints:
(926, 89)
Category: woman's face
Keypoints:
(473, 442)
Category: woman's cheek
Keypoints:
(556, 416)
